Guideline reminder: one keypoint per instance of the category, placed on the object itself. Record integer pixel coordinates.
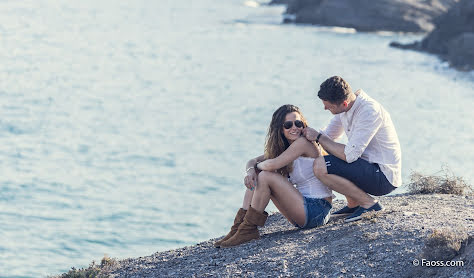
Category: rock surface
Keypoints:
(453, 38)
(279, 2)
(382, 246)
(369, 15)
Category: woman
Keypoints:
(288, 160)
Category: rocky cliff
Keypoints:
(413, 233)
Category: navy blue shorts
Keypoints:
(365, 175)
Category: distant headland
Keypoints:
(450, 23)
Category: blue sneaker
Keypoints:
(345, 211)
(357, 215)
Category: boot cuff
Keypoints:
(255, 217)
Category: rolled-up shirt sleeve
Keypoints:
(334, 129)
(364, 130)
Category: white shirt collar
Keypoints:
(359, 93)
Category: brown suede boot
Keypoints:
(239, 218)
(248, 229)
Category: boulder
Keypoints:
(461, 50)
(369, 15)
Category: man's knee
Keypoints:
(319, 167)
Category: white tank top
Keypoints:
(306, 183)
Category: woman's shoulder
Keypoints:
(303, 141)
(308, 147)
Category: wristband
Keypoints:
(317, 138)
(249, 169)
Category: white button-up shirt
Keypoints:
(371, 136)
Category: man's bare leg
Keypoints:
(351, 203)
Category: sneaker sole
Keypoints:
(340, 214)
(360, 216)
(353, 219)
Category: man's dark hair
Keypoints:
(335, 90)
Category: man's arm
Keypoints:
(334, 129)
(365, 129)
(330, 133)
(332, 147)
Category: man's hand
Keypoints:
(310, 134)
(250, 179)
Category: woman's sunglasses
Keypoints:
(289, 124)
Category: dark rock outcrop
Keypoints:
(369, 15)
(279, 2)
(453, 38)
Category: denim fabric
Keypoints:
(317, 212)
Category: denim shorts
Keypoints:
(365, 175)
(317, 212)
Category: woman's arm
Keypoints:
(251, 163)
(250, 179)
(298, 148)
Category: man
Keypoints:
(370, 162)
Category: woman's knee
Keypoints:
(319, 167)
(264, 176)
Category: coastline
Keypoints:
(383, 245)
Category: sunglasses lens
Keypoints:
(288, 125)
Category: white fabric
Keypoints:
(371, 136)
(306, 183)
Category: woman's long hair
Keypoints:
(275, 142)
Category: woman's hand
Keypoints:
(250, 179)
(251, 174)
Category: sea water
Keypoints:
(126, 125)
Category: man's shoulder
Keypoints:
(369, 106)
(365, 98)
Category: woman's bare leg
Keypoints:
(247, 199)
(280, 208)
(289, 199)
